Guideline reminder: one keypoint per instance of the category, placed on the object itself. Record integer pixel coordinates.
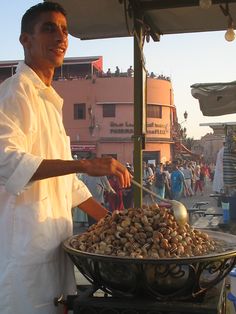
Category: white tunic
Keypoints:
(34, 218)
(218, 182)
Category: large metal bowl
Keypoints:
(162, 279)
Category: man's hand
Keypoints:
(104, 167)
(94, 167)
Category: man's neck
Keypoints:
(46, 75)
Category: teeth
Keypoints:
(59, 50)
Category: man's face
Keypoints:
(46, 46)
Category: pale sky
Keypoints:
(187, 59)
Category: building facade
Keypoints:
(98, 111)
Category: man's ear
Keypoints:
(24, 40)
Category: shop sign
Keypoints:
(128, 128)
(83, 147)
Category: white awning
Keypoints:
(215, 99)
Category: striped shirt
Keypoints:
(229, 168)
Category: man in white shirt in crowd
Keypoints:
(187, 172)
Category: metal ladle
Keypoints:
(179, 210)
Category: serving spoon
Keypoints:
(179, 210)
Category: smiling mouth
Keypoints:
(58, 51)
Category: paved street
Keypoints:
(212, 202)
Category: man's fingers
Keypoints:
(110, 166)
(124, 177)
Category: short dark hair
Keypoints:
(32, 15)
(176, 162)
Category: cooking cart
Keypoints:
(152, 286)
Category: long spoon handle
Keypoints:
(150, 192)
(180, 211)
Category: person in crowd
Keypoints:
(167, 182)
(203, 173)
(148, 179)
(218, 178)
(39, 186)
(148, 175)
(211, 171)
(187, 179)
(114, 200)
(130, 71)
(160, 181)
(177, 181)
(218, 182)
(192, 168)
(117, 71)
(208, 172)
(153, 168)
(198, 181)
(97, 187)
(109, 72)
(130, 168)
(152, 75)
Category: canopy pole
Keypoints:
(139, 109)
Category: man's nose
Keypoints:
(61, 35)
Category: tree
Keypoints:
(188, 142)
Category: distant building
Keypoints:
(98, 110)
(208, 146)
(211, 143)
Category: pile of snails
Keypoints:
(147, 232)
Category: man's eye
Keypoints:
(49, 28)
(65, 31)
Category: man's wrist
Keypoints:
(82, 165)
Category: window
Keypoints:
(154, 111)
(109, 110)
(79, 111)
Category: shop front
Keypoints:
(83, 151)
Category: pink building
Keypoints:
(98, 110)
(98, 115)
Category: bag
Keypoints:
(160, 180)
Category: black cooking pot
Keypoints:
(163, 279)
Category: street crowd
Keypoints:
(177, 179)
(173, 180)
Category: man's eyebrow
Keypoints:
(49, 23)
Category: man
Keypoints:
(160, 181)
(37, 173)
(187, 172)
(114, 200)
(148, 175)
(130, 71)
(198, 181)
(117, 71)
(177, 181)
(218, 183)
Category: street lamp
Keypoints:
(185, 118)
